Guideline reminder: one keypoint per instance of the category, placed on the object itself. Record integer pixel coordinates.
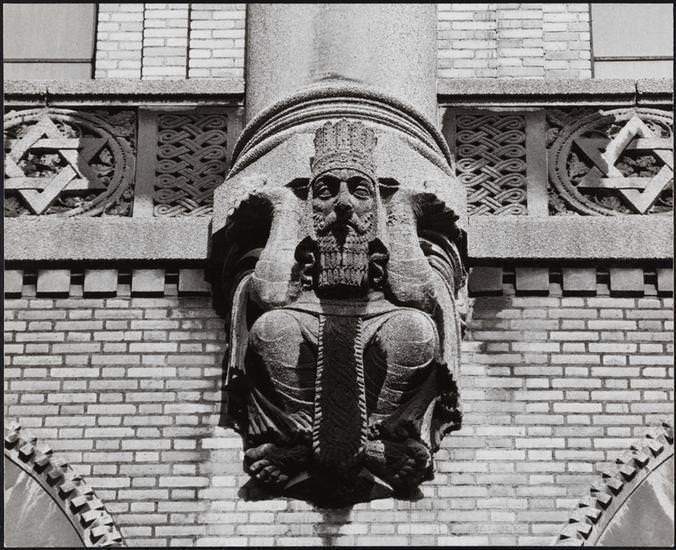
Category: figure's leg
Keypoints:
(281, 360)
(399, 362)
(281, 368)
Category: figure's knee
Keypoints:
(273, 328)
(408, 338)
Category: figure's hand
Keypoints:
(400, 207)
(281, 198)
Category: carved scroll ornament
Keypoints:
(344, 331)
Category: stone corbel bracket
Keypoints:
(74, 496)
(594, 512)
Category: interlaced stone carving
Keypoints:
(67, 163)
(191, 163)
(491, 162)
(344, 329)
(612, 162)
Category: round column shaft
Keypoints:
(391, 47)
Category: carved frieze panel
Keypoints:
(191, 162)
(490, 153)
(61, 162)
(618, 161)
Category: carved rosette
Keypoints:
(66, 163)
(191, 163)
(611, 162)
(491, 162)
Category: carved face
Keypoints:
(343, 201)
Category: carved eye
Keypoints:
(360, 188)
(326, 187)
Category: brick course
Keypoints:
(514, 41)
(546, 409)
(217, 41)
(154, 41)
(165, 40)
(119, 41)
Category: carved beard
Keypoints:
(343, 252)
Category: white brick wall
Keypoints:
(165, 41)
(119, 41)
(217, 41)
(514, 41)
(567, 38)
(154, 41)
(475, 41)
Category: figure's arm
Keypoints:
(275, 282)
(410, 278)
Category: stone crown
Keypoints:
(345, 144)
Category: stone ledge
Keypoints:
(574, 238)
(541, 92)
(490, 237)
(475, 91)
(124, 91)
(107, 239)
(655, 90)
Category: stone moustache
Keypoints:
(341, 379)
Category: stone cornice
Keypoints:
(571, 237)
(490, 238)
(122, 91)
(462, 92)
(491, 92)
(107, 239)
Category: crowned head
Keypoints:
(344, 201)
(344, 145)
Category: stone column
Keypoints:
(308, 63)
(389, 46)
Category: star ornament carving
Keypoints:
(40, 192)
(639, 192)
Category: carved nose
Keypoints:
(343, 205)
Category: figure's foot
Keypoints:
(403, 464)
(273, 465)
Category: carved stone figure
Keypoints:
(344, 331)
